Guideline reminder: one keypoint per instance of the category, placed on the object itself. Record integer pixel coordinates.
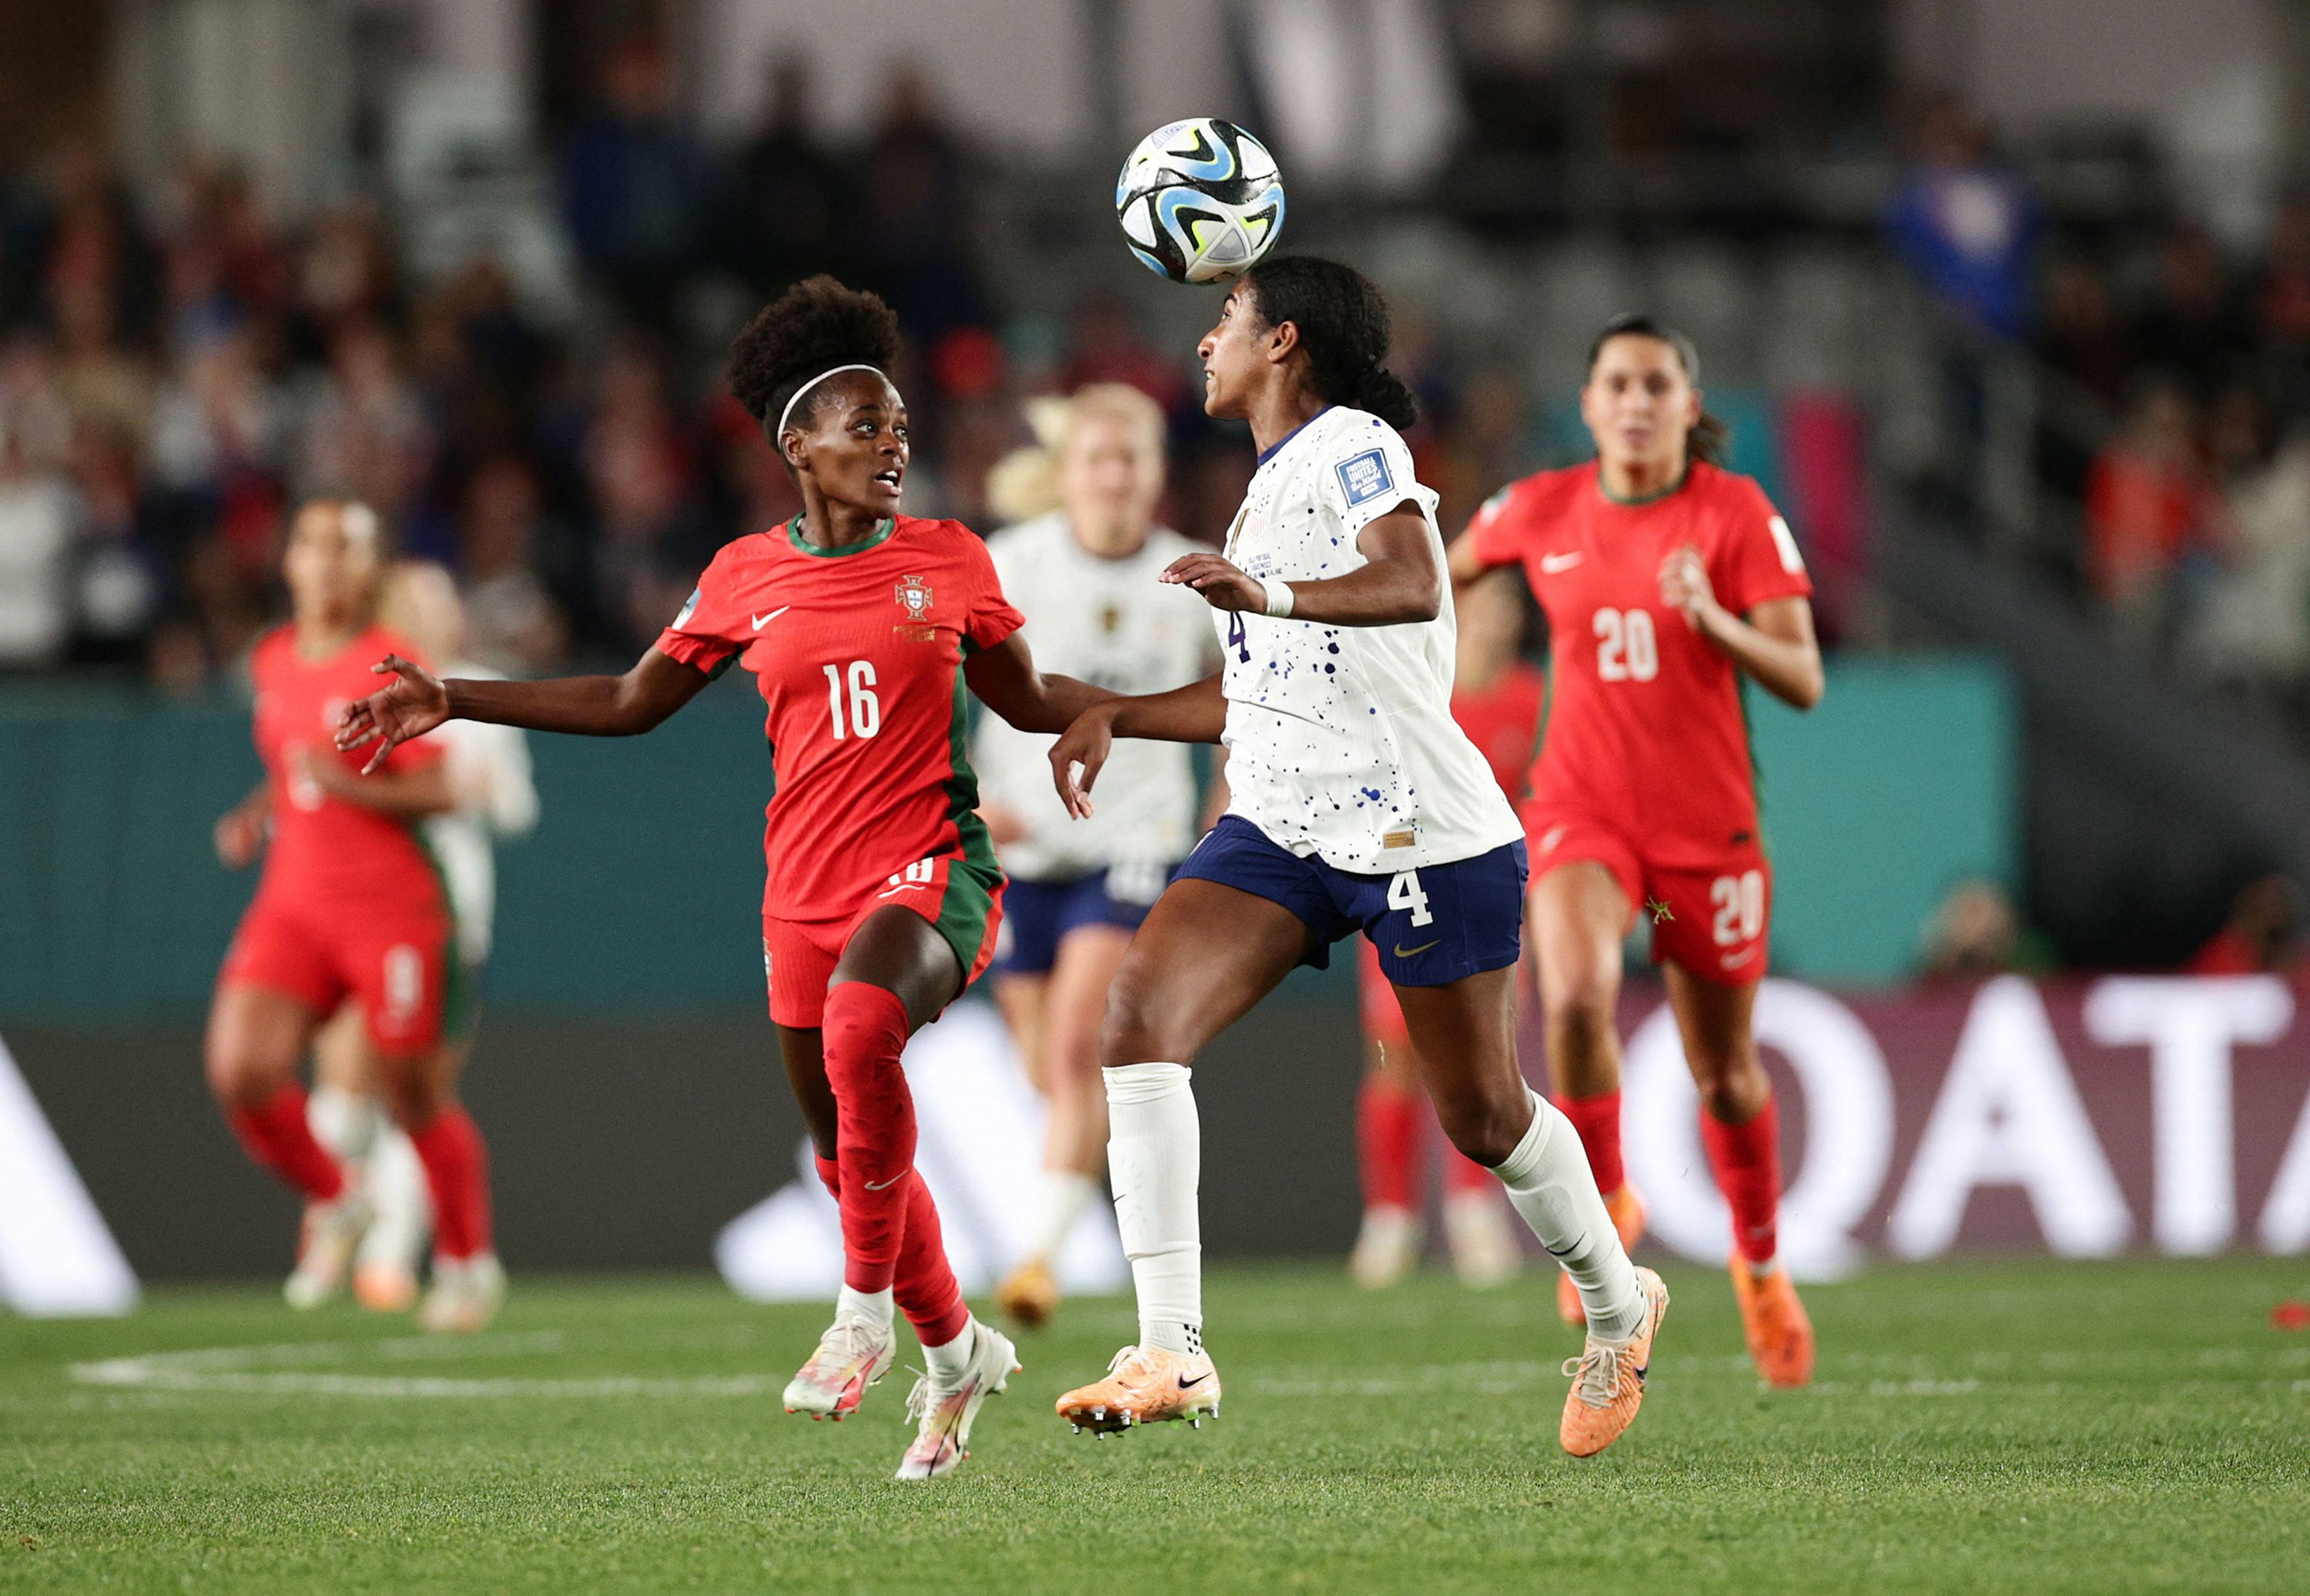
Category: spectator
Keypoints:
(1975, 934)
(635, 185)
(792, 218)
(514, 622)
(2254, 629)
(2190, 329)
(2149, 509)
(37, 517)
(2263, 931)
(1966, 226)
(915, 226)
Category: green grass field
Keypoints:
(2134, 1426)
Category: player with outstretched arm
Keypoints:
(1666, 580)
(1357, 805)
(862, 627)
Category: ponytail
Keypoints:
(1343, 329)
(1710, 439)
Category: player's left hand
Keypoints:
(1684, 584)
(1222, 585)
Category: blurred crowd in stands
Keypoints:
(2173, 400)
(178, 370)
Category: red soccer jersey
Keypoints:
(1502, 719)
(858, 653)
(1646, 730)
(325, 850)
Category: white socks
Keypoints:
(873, 1306)
(950, 1360)
(1550, 1184)
(1065, 1194)
(345, 1122)
(1154, 1160)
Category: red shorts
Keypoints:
(961, 899)
(1383, 1015)
(1714, 921)
(400, 965)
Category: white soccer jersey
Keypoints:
(1341, 739)
(488, 769)
(1109, 623)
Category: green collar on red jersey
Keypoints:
(1642, 499)
(879, 536)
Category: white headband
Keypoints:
(786, 414)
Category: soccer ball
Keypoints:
(1200, 200)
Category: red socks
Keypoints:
(1598, 1120)
(277, 1136)
(1388, 1123)
(864, 1031)
(457, 1169)
(1391, 1129)
(924, 1286)
(1747, 1160)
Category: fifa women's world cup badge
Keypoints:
(914, 596)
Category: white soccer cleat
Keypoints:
(852, 1355)
(333, 1230)
(1388, 1248)
(466, 1295)
(1484, 1250)
(944, 1414)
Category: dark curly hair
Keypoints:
(1343, 327)
(812, 328)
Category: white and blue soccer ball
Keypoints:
(1200, 200)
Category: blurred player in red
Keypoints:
(1496, 697)
(350, 905)
(861, 627)
(1665, 579)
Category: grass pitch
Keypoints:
(2131, 1427)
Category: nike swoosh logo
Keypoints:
(1550, 564)
(1735, 961)
(1403, 952)
(762, 620)
(886, 1185)
(1187, 1385)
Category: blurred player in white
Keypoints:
(1085, 575)
(490, 783)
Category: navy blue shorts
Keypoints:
(1432, 925)
(1038, 915)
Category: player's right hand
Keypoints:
(412, 705)
(1083, 747)
(239, 836)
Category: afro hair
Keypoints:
(814, 327)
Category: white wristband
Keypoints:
(1279, 599)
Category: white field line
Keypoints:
(332, 1368)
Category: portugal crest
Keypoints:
(915, 597)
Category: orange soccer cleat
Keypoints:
(1780, 1335)
(1628, 1212)
(1145, 1386)
(1028, 1294)
(1608, 1379)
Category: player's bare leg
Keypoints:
(256, 1038)
(1575, 918)
(1178, 987)
(1739, 1128)
(1466, 1034)
(1073, 1003)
